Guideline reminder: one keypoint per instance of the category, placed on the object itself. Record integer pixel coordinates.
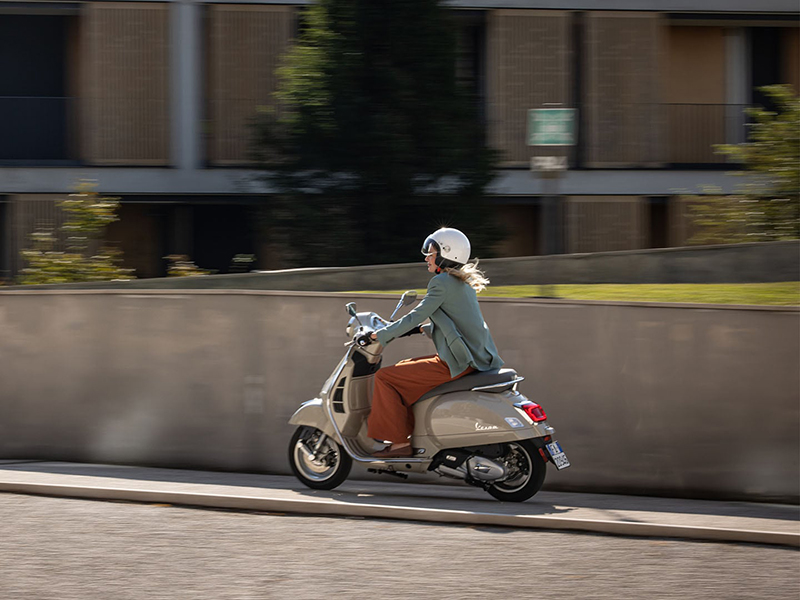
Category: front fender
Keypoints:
(312, 413)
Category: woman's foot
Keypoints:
(395, 451)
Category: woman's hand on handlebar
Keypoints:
(365, 339)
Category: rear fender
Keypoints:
(312, 414)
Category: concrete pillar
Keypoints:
(186, 84)
(737, 82)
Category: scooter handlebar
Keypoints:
(364, 339)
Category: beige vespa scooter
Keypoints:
(478, 428)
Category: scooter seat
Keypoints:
(473, 380)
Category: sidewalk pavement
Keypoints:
(451, 504)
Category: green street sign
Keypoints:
(551, 127)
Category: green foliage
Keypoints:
(88, 215)
(767, 207)
(375, 143)
(181, 265)
(242, 263)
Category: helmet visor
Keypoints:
(429, 246)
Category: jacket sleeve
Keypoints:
(430, 303)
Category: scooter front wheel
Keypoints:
(526, 469)
(317, 460)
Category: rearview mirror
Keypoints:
(350, 307)
(409, 297)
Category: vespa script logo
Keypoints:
(479, 427)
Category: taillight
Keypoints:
(534, 411)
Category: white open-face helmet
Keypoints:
(452, 247)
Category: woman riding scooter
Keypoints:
(461, 336)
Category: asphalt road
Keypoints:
(53, 548)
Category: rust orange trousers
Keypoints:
(397, 388)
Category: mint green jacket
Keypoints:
(460, 334)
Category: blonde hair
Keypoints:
(471, 275)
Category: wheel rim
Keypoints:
(520, 468)
(324, 466)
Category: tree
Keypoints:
(767, 207)
(88, 215)
(375, 142)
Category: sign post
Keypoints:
(551, 127)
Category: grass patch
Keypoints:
(773, 294)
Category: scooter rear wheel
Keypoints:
(527, 469)
(326, 468)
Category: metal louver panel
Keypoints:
(621, 83)
(529, 64)
(245, 47)
(125, 83)
(604, 224)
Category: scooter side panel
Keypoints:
(473, 418)
(312, 413)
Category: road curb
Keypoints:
(432, 515)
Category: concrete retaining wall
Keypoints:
(692, 401)
(732, 263)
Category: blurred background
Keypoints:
(232, 135)
(613, 161)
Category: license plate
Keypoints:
(560, 459)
